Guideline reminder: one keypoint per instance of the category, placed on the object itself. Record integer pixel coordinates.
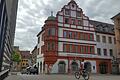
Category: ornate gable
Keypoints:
(72, 16)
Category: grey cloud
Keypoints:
(32, 14)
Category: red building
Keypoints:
(67, 40)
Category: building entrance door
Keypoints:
(103, 68)
(74, 67)
(61, 67)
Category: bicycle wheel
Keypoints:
(86, 75)
(77, 75)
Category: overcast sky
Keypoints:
(32, 14)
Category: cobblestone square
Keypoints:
(61, 77)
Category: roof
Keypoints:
(116, 16)
(102, 27)
(51, 18)
(25, 54)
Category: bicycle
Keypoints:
(84, 73)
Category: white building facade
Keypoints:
(69, 39)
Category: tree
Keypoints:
(16, 56)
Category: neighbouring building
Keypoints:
(8, 12)
(105, 39)
(26, 59)
(34, 54)
(116, 20)
(71, 38)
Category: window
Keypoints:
(66, 21)
(82, 49)
(51, 32)
(49, 46)
(98, 51)
(70, 48)
(76, 48)
(64, 47)
(53, 46)
(93, 67)
(98, 38)
(38, 51)
(78, 13)
(75, 35)
(91, 37)
(43, 37)
(81, 36)
(79, 22)
(103, 39)
(105, 52)
(38, 39)
(87, 49)
(114, 41)
(86, 36)
(67, 12)
(110, 39)
(91, 49)
(65, 34)
(73, 21)
(111, 52)
(70, 34)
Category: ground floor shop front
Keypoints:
(71, 64)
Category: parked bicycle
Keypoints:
(83, 73)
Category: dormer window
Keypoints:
(67, 12)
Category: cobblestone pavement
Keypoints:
(60, 77)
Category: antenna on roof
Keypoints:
(51, 13)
